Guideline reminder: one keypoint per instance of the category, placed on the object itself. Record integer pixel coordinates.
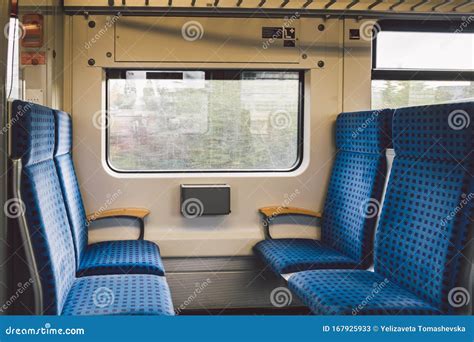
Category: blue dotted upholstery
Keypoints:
(119, 295)
(355, 292)
(33, 142)
(69, 184)
(32, 132)
(124, 256)
(357, 181)
(110, 257)
(33, 138)
(365, 131)
(424, 224)
(429, 201)
(294, 255)
(348, 223)
(63, 133)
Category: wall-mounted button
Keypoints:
(321, 27)
(109, 54)
(91, 62)
(320, 64)
(91, 24)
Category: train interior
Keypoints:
(237, 157)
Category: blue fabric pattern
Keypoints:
(32, 138)
(33, 135)
(356, 185)
(33, 141)
(63, 133)
(425, 222)
(424, 225)
(365, 131)
(74, 205)
(348, 224)
(69, 185)
(355, 292)
(109, 257)
(124, 256)
(294, 255)
(119, 295)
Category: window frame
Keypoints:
(418, 74)
(115, 73)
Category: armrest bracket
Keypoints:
(269, 213)
(132, 213)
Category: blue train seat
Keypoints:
(350, 210)
(424, 225)
(47, 236)
(108, 257)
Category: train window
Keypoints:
(13, 32)
(422, 63)
(203, 120)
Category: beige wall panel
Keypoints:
(219, 40)
(357, 66)
(238, 232)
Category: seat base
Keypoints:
(119, 295)
(355, 292)
(295, 255)
(121, 257)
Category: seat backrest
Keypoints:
(69, 184)
(428, 207)
(357, 183)
(31, 149)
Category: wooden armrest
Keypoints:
(275, 211)
(139, 213)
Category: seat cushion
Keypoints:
(294, 255)
(356, 292)
(117, 294)
(121, 257)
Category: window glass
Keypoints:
(425, 50)
(422, 68)
(394, 94)
(185, 121)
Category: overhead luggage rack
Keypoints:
(344, 8)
